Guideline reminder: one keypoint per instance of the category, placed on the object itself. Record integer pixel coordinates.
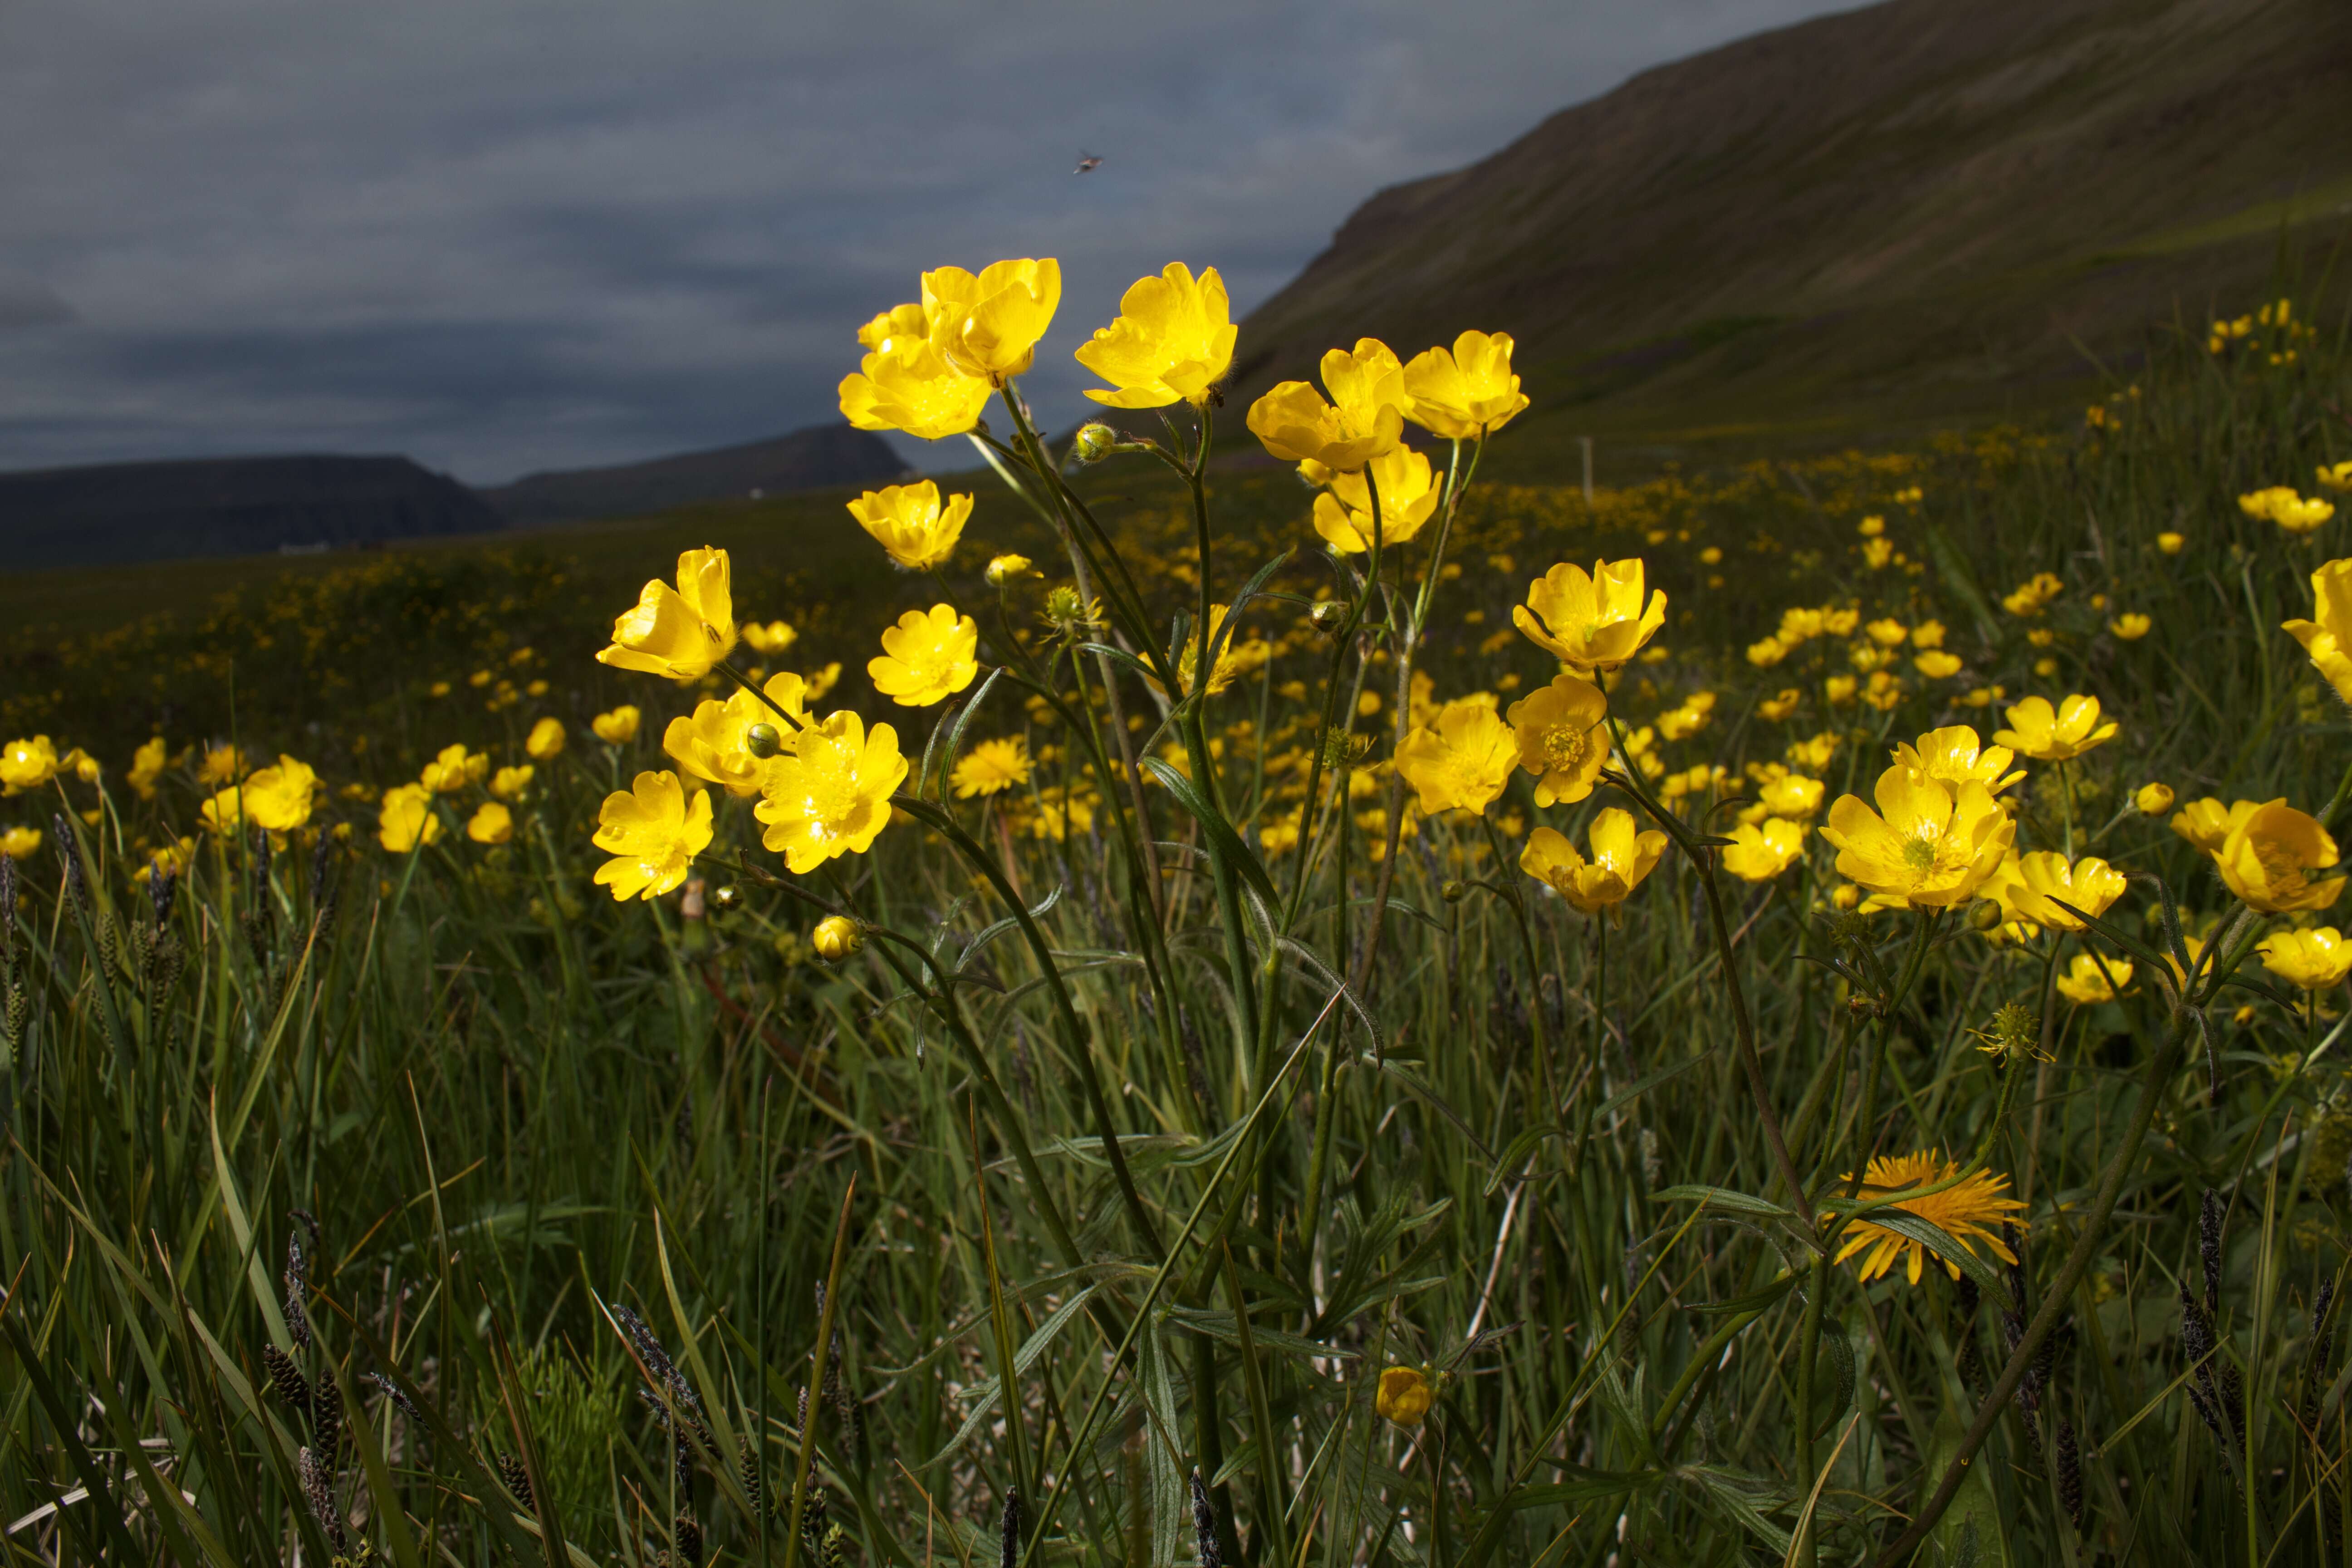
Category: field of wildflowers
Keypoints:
(1779, 1014)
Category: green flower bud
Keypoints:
(763, 740)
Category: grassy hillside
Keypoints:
(1862, 221)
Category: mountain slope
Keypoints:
(1925, 203)
(817, 458)
(117, 512)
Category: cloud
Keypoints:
(507, 235)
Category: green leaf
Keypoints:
(1022, 1359)
(1940, 1242)
(1663, 1075)
(1515, 1152)
(1754, 1301)
(1724, 1200)
(1223, 842)
(955, 736)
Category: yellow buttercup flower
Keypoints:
(279, 798)
(2153, 799)
(2057, 734)
(1560, 738)
(987, 325)
(831, 795)
(1970, 1212)
(147, 766)
(2005, 887)
(19, 843)
(491, 824)
(1760, 851)
(1937, 665)
(2207, 823)
(713, 744)
(2260, 504)
(2281, 504)
(617, 728)
(1953, 756)
(2323, 638)
(654, 832)
(1591, 623)
(407, 820)
(1364, 418)
(991, 767)
(1888, 632)
(224, 814)
(1461, 762)
(2336, 476)
(679, 632)
(1929, 843)
(1409, 494)
(2090, 884)
(454, 768)
(1172, 341)
(910, 522)
(2171, 543)
(1004, 569)
(221, 765)
(1620, 860)
(1767, 653)
(2269, 859)
(1778, 709)
(2315, 960)
(926, 658)
(2130, 627)
(545, 742)
(512, 783)
(770, 637)
(28, 764)
(1404, 1395)
(1791, 795)
(902, 384)
(1465, 393)
(2087, 984)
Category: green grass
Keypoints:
(519, 1112)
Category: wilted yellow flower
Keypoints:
(512, 783)
(1404, 1395)
(991, 767)
(988, 326)
(1933, 843)
(714, 743)
(617, 728)
(19, 843)
(454, 768)
(908, 521)
(1409, 494)
(1560, 738)
(1621, 858)
(2171, 543)
(1364, 418)
(2315, 960)
(770, 637)
(835, 938)
(2056, 735)
(1591, 623)
(1004, 569)
(1462, 761)
(1466, 393)
(654, 832)
(1172, 341)
(2090, 884)
(28, 764)
(2323, 638)
(2087, 984)
(2269, 858)
(545, 742)
(2130, 627)
(491, 824)
(1970, 1212)
(2153, 799)
(831, 795)
(407, 819)
(2208, 823)
(679, 632)
(1760, 851)
(926, 658)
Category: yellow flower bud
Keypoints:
(835, 938)
(1093, 442)
(2153, 799)
(1405, 1395)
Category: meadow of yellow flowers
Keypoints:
(1333, 1012)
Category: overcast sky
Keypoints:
(509, 235)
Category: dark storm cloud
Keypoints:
(503, 235)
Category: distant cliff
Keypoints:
(818, 457)
(119, 512)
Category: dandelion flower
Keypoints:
(926, 658)
(679, 632)
(911, 524)
(831, 795)
(1968, 1212)
(1462, 761)
(654, 832)
(991, 767)
(1172, 342)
